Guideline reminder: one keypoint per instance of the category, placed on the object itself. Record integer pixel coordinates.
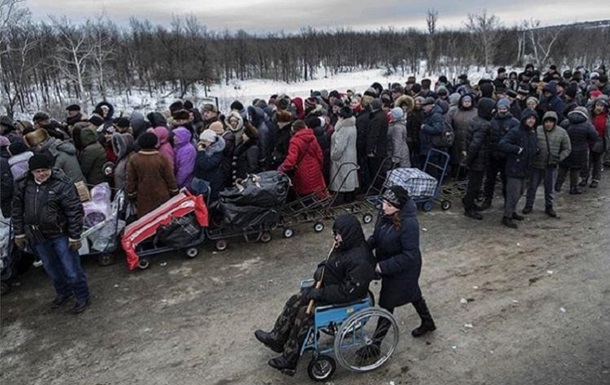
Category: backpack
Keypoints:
(447, 136)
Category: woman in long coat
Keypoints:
(305, 159)
(150, 178)
(344, 179)
(395, 241)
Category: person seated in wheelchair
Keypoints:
(345, 277)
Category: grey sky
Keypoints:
(276, 15)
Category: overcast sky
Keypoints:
(259, 16)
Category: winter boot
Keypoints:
(583, 183)
(287, 367)
(486, 204)
(575, 191)
(427, 323)
(508, 222)
(268, 341)
(550, 212)
(527, 209)
(473, 214)
(518, 217)
(594, 184)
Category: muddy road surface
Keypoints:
(526, 306)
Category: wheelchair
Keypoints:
(350, 332)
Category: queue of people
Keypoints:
(530, 128)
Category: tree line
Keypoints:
(49, 63)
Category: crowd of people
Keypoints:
(528, 126)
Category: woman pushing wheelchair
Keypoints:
(343, 278)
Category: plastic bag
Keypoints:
(106, 237)
(98, 208)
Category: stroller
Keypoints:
(177, 224)
(250, 210)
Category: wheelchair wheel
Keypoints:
(321, 368)
(366, 340)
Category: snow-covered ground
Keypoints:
(248, 90)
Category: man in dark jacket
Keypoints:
(554, 146)
(362, 123)
(502, 122)
(6, 189)
(376, 137)
(345, 278)
(431, 128)
(552, 101)
(48, 215)
(477, 154)
(520, 146)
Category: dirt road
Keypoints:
(537, 309)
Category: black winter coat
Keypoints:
(350, 268)
(362, 123)
(399, 257)
(581, 133)
(520, 165)
(53, 205)
(246, 159)
(500, 125)
(477, 137)
(377, 134)
(432, 126)
(6, 189)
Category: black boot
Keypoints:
(427, 323)
(473, 214)
(550, 212)
(288, 367)
(269, 341)
(486, 204)
(508, 222)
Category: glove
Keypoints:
(20, 242)
(75, 245)
(314, 294)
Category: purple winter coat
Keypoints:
(184, 161)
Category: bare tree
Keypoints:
(431, 19)
(541, 40)
(73, 54)
(483, 29)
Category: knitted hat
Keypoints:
(176, 106)
(346, 112)
(96, 120)
(122, 123)
(208, 136)
(504, 102)
(397, 113)
(40, 161)
(36, 137)
(17, 148)
(236, 105)
(148, 141)
(310, 102)
(397, 196)
(188, 105)
(454, 99)
(73, 107)
(217, 127)
(531, 99)
(603, 99)
(572, 90)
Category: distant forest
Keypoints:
(45, 64)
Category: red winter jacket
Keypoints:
(305, 158)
